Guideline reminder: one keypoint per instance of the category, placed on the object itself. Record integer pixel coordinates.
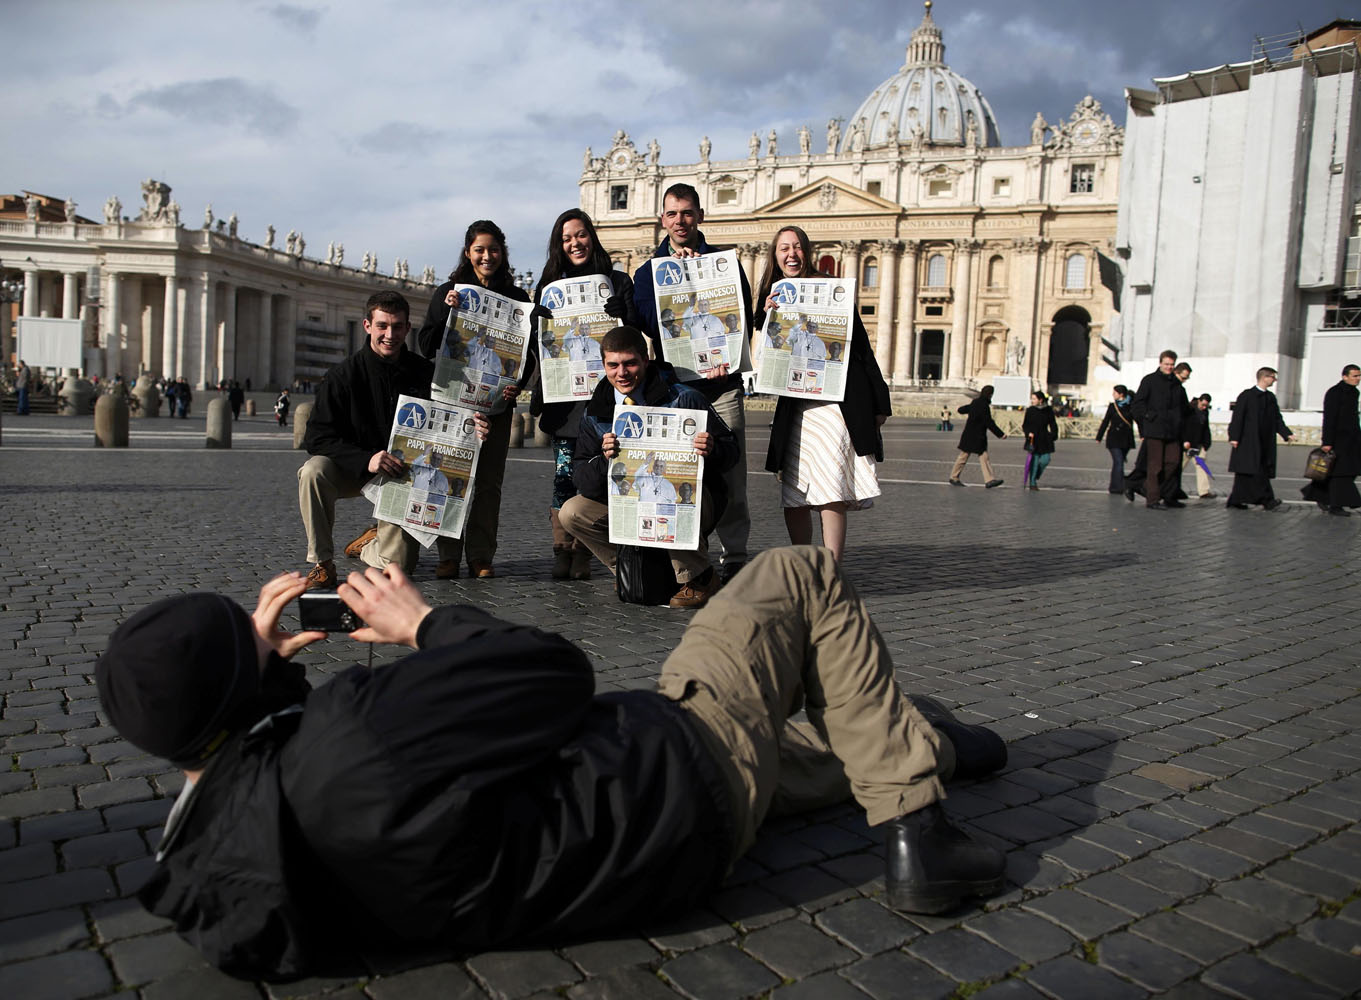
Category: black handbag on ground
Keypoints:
(643, 575)
(1319, 465)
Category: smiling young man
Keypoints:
(347, 438)
(629, 378)
(681, 217)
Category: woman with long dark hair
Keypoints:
(824, 453)
(1041, 430)
(1119, 422)
(483, 261)
(574, 251)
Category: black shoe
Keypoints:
(1272, 504)
(1323, 506)
(729, 570)
(1129, 493)
(1236, 506)
(993, 483)
(1175, 503)
(955, 482)
(978, 750)
(933, 867)
(1157, 505)
(1339, 512)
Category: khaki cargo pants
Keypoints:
(790, 632)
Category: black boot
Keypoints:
(978, 750)
(933, 867)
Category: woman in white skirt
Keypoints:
(824, 453)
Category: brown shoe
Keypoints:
(696, 593)
(481, 571)
(581, 563)
(562, 563)
(357, 546)
(323, 576)
(447, 569)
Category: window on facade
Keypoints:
(314, 318)
(871, 276)
(1001, 187)
(726, 196)
(997, 271)
(875, 188)
(935, 310)
(1075, 273)
(827, 265)
(867, 310)
(786, 190)
(935, 271)
(619, 197)
(1341, 312)
(1083, 179)
(939, 188)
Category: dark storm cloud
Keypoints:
(304, 19)
(225, 101)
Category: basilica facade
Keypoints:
(973, 259)
(146, 292)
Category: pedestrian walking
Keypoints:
(281, 407)
(1252, 436)
(1342, 439)
(973, 440)
(1117, 427)
(1041, 431)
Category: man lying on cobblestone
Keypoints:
(478, 794)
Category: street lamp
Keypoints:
(524, 280)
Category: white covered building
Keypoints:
(1238, 223)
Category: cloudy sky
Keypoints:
(390, 126)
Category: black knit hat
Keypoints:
(175, 673)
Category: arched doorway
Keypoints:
(1069, 347)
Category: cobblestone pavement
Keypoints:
(1179, 692)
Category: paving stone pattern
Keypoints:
(1179, 692)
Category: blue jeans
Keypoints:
(21, 404)
(1118, 469)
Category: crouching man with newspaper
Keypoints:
(631, 381)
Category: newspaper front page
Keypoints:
(805, 343)
(701, 314)
(439, 444)
(485, 342)
(656, 479)
(570, 362)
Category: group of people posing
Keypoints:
(824, 453)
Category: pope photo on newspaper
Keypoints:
(656, 479)
(485, 342)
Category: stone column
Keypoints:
(749, 254)
(70, 287)
(905, 343)
(226, 338)
(113, 327)
(206, 327)
(1024, 266)
(30, 293)
(888, 286)
(850, 263)
(959, 329)
(264, 351)
(170, 329)
(130, 343)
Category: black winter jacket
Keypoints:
(355, 404)
(974, 438)
(471, 795)
(1341, 431)
(1039, 421)
(1160, 406)
(1117, 427)
(866, 398)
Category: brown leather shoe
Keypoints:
(696, 594)
(357, 546)
(323, 576)
(481, 571)
(562, 563)
(447, 569)
(581, 563)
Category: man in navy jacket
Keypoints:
(722, 387)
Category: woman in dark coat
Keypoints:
(1341, 437)
(973, 440)
(824, 453)
(1118, 430)
(483, 261)
(1041, 431)
(574, 251)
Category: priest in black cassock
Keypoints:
(1252, 437)
(1341, 436)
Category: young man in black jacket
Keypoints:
(347, 437)
(1160, 407)
(477, 793)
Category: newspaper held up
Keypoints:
(701, 313)
(657, 477)
(805, 343)
(485, 342)
(570, 362)
(439, 444)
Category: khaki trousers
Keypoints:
(320, 484)
(484, 514)
(588, 521)
(1203, 482)
(790, 632)
(983, 461)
